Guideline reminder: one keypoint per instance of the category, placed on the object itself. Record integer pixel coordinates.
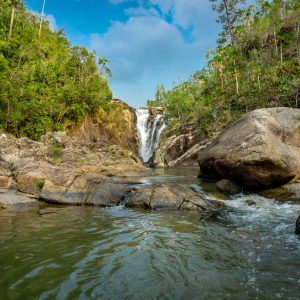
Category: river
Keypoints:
(240, 252)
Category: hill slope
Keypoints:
(45, 83)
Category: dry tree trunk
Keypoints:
(13, 10)
(42, 16)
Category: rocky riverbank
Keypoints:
(260, 153)
(63, 170)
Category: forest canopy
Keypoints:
(45, 82)
(256, 64)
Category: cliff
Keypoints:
(114, 123)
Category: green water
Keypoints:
(241, 252)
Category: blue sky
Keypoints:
(147, 41)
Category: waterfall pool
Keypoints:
(240, 252)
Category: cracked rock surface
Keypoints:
(171, 197)
(60, 169)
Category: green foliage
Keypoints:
(260, 69)
(56, 153)
(11, 166)
(40, 183)
(44, 82)
(82, 161)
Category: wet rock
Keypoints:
(261, 150)
(287, 192)
(9, 198)
(250, 202)
(297, 230)
(171, 197)
(228, 187)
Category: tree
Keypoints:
(103, 62)
(41, 20)
(45, 84)
(229, 15)
(14, 4)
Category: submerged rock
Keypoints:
(297, 230)
(228, 187)
(250, 202)
(171, 197)
(261, 150)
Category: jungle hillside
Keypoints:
(256, 64)
(46, 83)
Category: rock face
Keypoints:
(180, 150)
(171, 197)
(115, 125)
(155, 110)
(261, 150)
(60, 169)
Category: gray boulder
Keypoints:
(84, 189)
(261, 150)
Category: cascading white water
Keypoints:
(149, 128)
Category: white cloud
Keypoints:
(142, 11)
(143, 44)
(162, 41)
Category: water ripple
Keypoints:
(88, 253)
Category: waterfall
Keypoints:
(149, 127)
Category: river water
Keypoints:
(240, 252)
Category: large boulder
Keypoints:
(261, 150)
(180, 146)
(84, 189)
(171, 197)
